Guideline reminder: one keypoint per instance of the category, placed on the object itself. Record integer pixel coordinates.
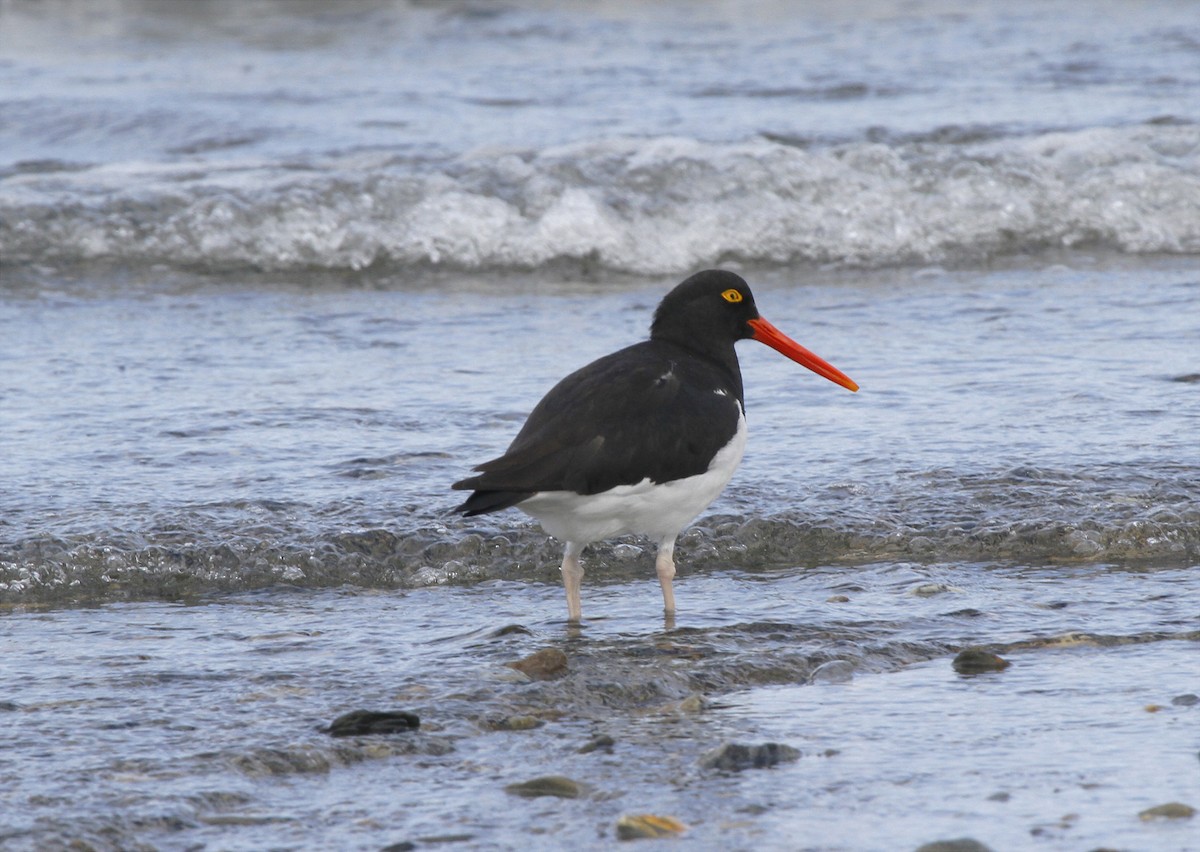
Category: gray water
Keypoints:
(273, 275)
(196, 725)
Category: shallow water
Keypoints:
(272, 275)
(307, 434)
(177, 726)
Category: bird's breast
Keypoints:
(657, 509)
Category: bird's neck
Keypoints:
(724, 358)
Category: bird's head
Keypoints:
(713, 309)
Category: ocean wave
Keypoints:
(180, 563)
(659, 206)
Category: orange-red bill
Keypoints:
(766, 333)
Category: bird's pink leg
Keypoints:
(665, 566)
(572, 573)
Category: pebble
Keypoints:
(642, 826)
(962, 844)
(977, 659)
(511, 630)
(503, 674)
(603, 742)
(1171, 810)
(627, 552)
(515, 723)
(734, 757)
(547, 664)
(363, 722)
(1188, 699)
(929, 590)
(558, 786)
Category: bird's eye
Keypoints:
(732, 296)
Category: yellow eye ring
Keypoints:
(732, 296)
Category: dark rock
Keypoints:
(1188, 699)
(358, 723)
(402, 846)
(511, 630)
(977, 659)
(963, 844)
(546, 664)
(1171, 810)
(734, 757)
(601, 743)
(548, 785)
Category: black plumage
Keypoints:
(642, 440)
(660, 409)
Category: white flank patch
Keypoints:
(659, 510)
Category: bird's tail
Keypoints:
(482, 502)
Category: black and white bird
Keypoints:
(642, 440)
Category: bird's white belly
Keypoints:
(659, 510)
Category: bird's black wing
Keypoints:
(650, 410)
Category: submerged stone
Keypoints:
(520, 722)
(734, 757)
(558, 786)
(929, 590)
(694, 703)
(962, 844)
(363, 722)
(603, 742)
(1171, 810)
(546, 664)
(511, 630)
(977, 659)
(645, 826)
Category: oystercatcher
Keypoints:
(644, 439)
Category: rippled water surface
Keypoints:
(274, 274)
(1018, 472)
(180, 726)
(220, 437)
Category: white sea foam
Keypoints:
(646, 206)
